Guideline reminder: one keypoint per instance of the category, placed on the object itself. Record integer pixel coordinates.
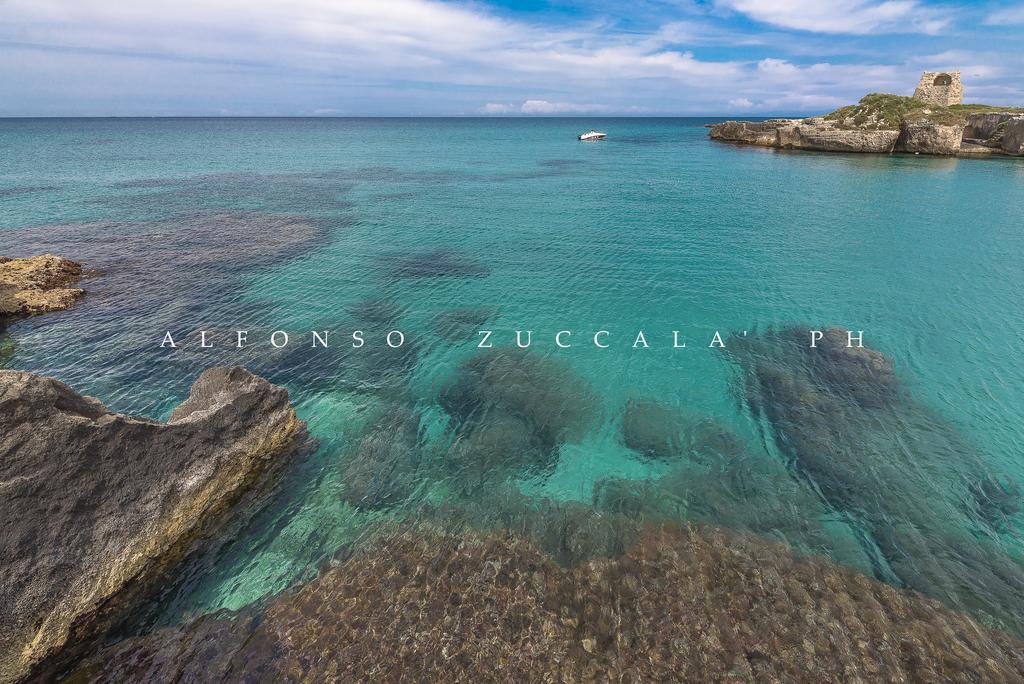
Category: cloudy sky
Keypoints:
(493, 57)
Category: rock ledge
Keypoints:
(97, 506)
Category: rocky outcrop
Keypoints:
(1013, 137)
(926, 137)
(882, 123)
(751, 132)
(97, 506)
(37, 285)
(1000, 131)
(806, 134)
(685, 603)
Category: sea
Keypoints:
(678, 270)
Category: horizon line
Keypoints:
(397, 116)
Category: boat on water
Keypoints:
(592, 135)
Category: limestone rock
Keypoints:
(751, 132)
(808, 134)
(686, 603)
(96, 505)
(926, 137)
(37, 285)
(999, 131)
(832, 139)
(1013, 137)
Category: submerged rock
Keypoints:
(487, 453)
(435, 263)
(555, 403)
(462, 324)
(97, 506)
(381, 471)
(36, 285)
(653, 429)
(914, 483)
(683, 604)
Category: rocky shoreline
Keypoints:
(883, 124)
(99, 507)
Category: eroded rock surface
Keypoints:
(36, 285)
(97, 505)
(883, 123)
(685, 603)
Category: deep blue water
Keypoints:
(442, 227)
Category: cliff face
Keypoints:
(37, 285)
(888, 123)
(96, 506)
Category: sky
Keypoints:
(494, 57)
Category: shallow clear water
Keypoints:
(516, 225)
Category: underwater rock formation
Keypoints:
(381, 471)
(36, 285)
(653, 429)
(932, 509)
(98, 506)
(683, 604)
(511, 411)
(462, 324)
(180, 274)
(434, 263)
(546, 394)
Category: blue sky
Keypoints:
(498, 57)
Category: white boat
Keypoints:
(592, 135)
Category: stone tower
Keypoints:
(940, 88)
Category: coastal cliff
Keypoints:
(99, 506)
(882, 123)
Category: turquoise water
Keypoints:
(515, 225)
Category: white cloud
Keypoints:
(431, 57)
(1010, 16)
(843, 16)
(741, 103)
(545, 107)
(497, 108)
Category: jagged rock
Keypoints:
(926, 137)
(97, 506)
(36, 285)
(751, 132)
(1013, 137)
(687, 603)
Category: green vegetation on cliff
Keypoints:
(882, 111)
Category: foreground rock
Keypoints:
(684, 604)
(882, 123)
(37, 285)
(97, 505)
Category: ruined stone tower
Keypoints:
(940, 88)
